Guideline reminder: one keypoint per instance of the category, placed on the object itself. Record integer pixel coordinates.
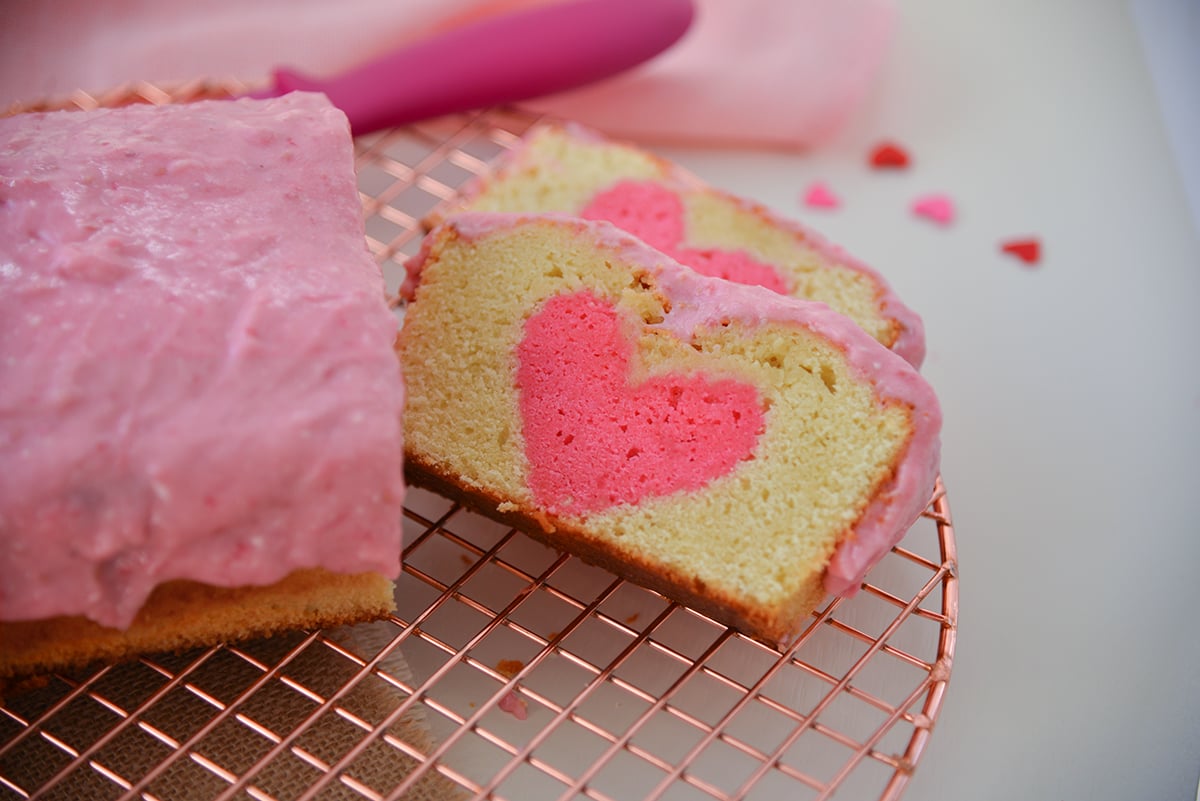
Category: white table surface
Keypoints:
(1071, 392)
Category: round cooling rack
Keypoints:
(509, 671)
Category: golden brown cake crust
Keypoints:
(186, 614)
(773, 626)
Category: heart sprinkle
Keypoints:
(820, 196)
(889, 155)
(939, 208)
(1027, 250)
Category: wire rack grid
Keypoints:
(509, 671)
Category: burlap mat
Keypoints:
(244, 739)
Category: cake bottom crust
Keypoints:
(774, 625)
(185, 614)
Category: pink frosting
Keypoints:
(698, 301)
(196, 373)
(654, 214)
(594, 440)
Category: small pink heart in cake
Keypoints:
(594, 439)
(649, 211)
(820, 196)
(732, 265)
(655, 214)
(938, 208)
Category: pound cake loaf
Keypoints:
(740, 451)
(568, 169)
(200, 400)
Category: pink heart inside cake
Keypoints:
(654, 214)
(594, 440)
(740, 451)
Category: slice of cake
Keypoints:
(199, 395)
(740, 451)
(571, 170)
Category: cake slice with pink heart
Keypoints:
(564, 168)
(742, 452)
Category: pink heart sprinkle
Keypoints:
(939, 208)
(820, 196)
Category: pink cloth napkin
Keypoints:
(780, 73)
(774, 73)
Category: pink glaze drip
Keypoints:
(593, 440)
(196, 372)
(698, 301)
(654, 214)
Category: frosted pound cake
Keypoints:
(568, 169)
(740, 451)
(199, 398)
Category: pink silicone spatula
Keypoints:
(501, 59)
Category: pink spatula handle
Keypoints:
(502, 59)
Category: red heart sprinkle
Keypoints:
(1027, 250)
(889, 155)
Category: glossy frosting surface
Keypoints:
(196, 372)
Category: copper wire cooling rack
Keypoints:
(509, 671)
